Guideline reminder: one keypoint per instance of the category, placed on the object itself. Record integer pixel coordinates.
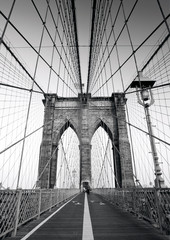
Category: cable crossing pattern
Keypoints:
(124, 47)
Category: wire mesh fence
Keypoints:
(19, 206)
(151, 204)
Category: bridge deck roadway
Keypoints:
(107, 222)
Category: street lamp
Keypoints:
(145, 98)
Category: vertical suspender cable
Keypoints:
(91, 45)
(77, 47)
(135, 60)
(30, 99)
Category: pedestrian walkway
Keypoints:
(89, 217)
(109, 223)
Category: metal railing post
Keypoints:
(17, 212)
(123, 199)
(39, 205)
(134, 201)
(51, 202)
(157, 197)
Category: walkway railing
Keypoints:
(20, 206)
(151, 204)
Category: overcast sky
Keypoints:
(144, 19)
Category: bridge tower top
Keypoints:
(85, 114)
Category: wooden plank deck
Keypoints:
(108, 222)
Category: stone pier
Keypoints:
(85, 114)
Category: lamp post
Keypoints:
(145, 98)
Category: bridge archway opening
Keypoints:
(102, 163)
(68, 160)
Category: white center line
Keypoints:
(87, 226)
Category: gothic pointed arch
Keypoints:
(62, 127)
(100, 123)
(115, 147)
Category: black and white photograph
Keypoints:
(84, 119)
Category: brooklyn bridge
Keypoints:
(84, 119)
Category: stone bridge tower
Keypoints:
(85, 114)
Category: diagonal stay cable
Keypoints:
(121, 31)
(34, 51)
(20, 88)
(132, 54)
(62, 162)
(65, 158)
(22, 66)
(109, 160)
(48, 32)
(153, 55)
(105, 159)
(128, 123)
(7, 21)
